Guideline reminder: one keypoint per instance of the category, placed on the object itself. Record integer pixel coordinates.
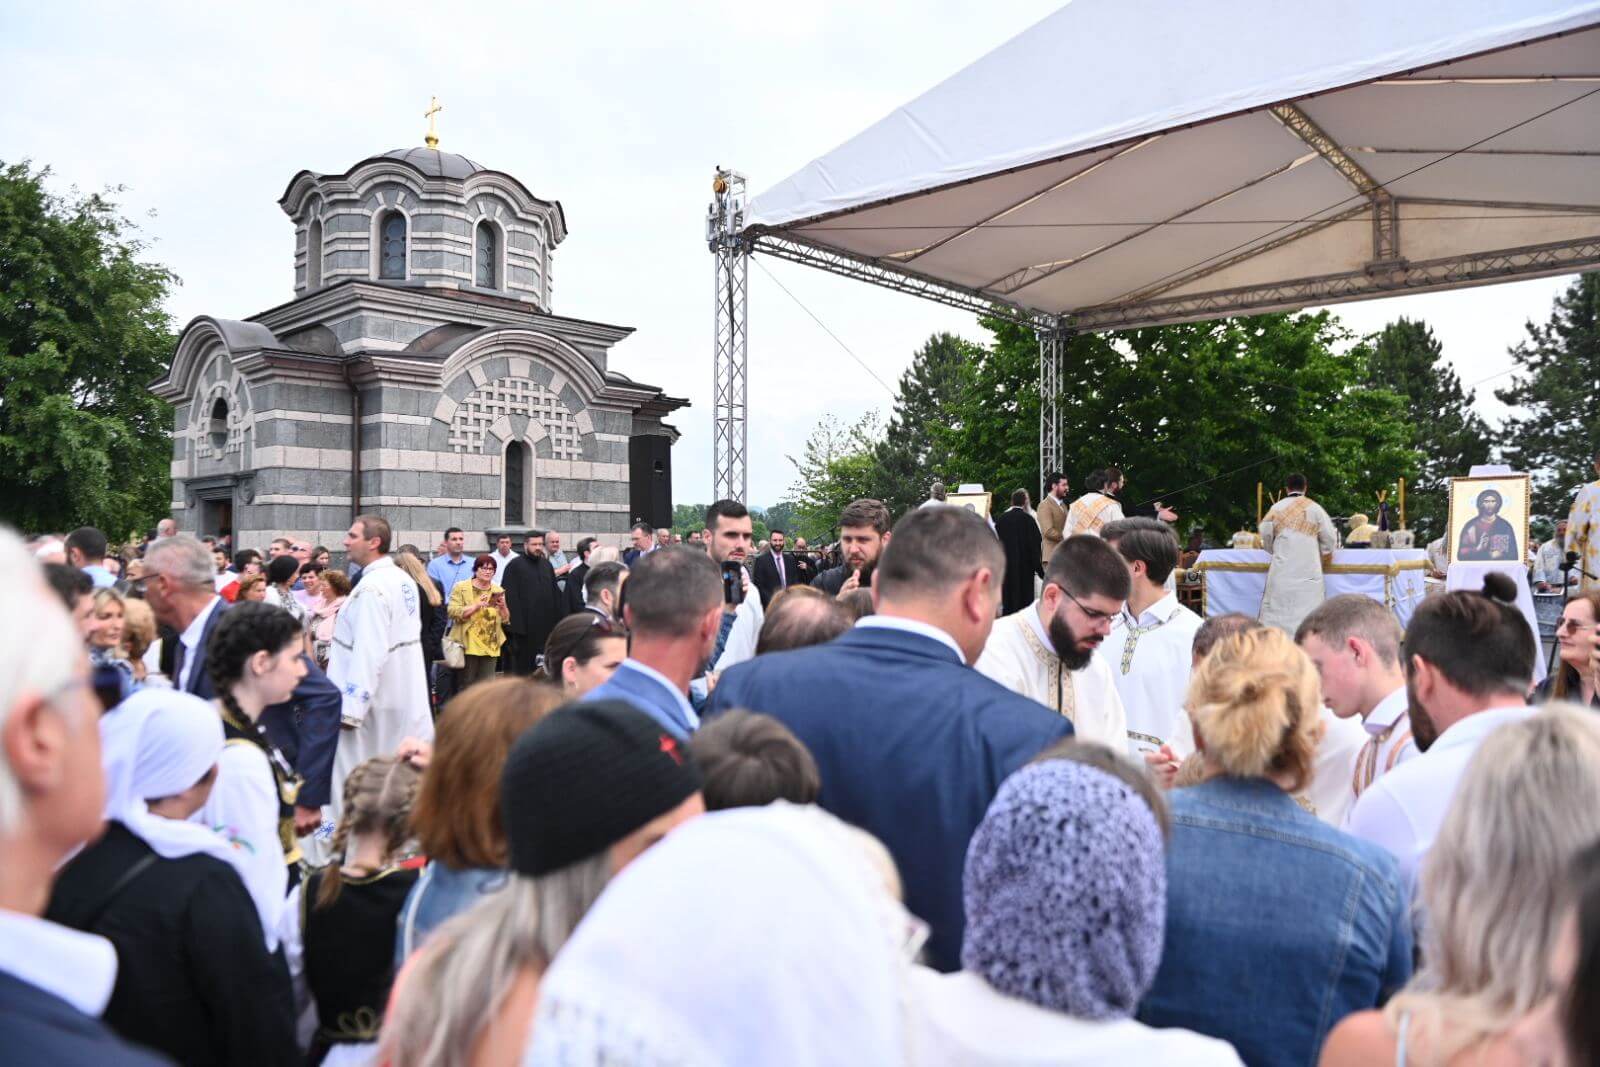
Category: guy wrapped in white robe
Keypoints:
(1583, 535)
(1299, 534)
(1090, 512)
(1019, 656)
(376, 661)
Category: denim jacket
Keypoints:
(439, 894)
(1278, 925)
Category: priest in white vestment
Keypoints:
(1299, 535)
(1150, 648)
(1046, 651)
(376, 657)
(1090, 513)
(1583, 533)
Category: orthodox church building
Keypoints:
(418, 373)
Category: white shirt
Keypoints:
(500, 564)
(1403, 810)
(960, 1020)
(1381, 754)
(741, 642)
(911, 626)
(1329, 793)
(77, 967)
(1150, 658)
(190, 639)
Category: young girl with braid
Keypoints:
(338, 927)
(254, 660)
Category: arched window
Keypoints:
(487, 256)
(314, 255)
(392, 246)
(515, 497)
(217, 428)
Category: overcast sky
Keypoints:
(619, 111)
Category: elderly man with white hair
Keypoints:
(54, 982)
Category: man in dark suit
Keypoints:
(54, 981)
(1020, 539)
(535, 600)
(776, 570)
(305, 728)
(911, 742)
(642, 537)
(575, 577)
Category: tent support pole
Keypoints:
(1052, 348)
(729, 357)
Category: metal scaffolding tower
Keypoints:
(1052, 348)
(730, 476)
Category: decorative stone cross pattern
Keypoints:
(515, 396)
(200, 423)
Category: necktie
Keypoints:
(177, 664)
(783, 581)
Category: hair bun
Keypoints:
(1500, 588)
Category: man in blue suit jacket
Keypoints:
(672, 603)
(912, 743)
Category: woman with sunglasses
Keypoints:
(479, 614)
(583, 651)
(1574, 679)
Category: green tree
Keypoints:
(82, 334)
(1448, 436)
(914, 451)
(1557, 393)
(782, 516)
(1195, 415)
(837, 465)
(687, 517)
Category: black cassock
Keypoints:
(1019, 536)
(536, 605)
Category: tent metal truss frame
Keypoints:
(1388, 273)
(730, 474)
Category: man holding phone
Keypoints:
(728, 538)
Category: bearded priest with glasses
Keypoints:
(1046, 651)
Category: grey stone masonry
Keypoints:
(417, 369)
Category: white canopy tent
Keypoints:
(1135, 162)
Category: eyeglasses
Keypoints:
(1094, 614)
(1573, 626)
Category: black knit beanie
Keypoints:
(585, 777)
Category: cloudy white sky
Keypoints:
(620, 111)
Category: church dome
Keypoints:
(436, 164)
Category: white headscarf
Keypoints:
(158, 743)
(754, 935)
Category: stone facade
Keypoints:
(395, 383)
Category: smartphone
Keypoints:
(866, 574)
(732, 582)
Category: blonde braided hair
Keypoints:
(377, 798)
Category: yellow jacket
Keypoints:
(483, 632)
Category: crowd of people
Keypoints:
(965, 793)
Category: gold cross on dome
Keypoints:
(434, 107)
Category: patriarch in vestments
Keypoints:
(1046, 651)
(1299, 535)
